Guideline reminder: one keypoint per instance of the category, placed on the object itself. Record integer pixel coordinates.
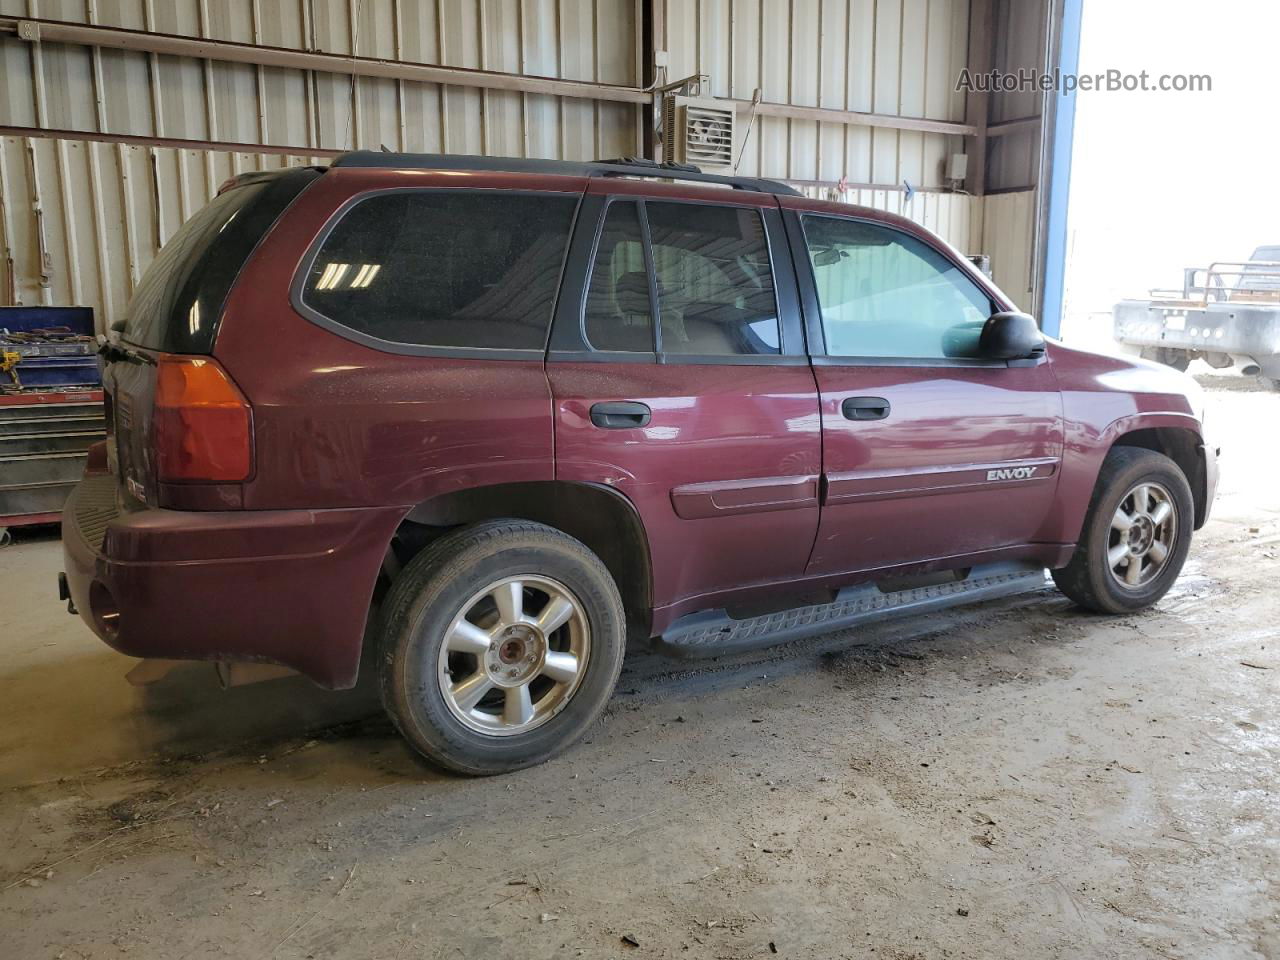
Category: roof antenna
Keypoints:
(751, 119)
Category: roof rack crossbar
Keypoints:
(622, 167)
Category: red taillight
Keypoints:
(201, 425)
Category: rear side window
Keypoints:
(619, 313)
(452, 269)
(715, 281)
(884, 293)
(177, 305)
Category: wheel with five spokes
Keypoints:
(1136, 534)
(501, 644)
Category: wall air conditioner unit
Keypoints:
(698, 130)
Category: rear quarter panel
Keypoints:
(1104, 398)
(341, 424)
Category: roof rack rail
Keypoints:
(653, 164)
(621, 167)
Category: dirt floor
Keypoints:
(1017, 779)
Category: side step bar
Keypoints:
(714, 633)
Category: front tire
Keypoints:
(1136, 534)
(501, 644)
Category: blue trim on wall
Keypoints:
(1055, 246)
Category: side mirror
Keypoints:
(1010, 336)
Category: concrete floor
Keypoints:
(1016, 779)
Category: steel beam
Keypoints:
(828, 115)
(177, 143)
(977, 104)
(1055, 187)
(119, 38)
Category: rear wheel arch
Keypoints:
(1185, 448)
(603, 519)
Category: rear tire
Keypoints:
(1136, 534)
(500, 645)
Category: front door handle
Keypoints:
(865, 408)
(620, 415)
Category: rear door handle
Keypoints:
(620, 415)
(865, 408)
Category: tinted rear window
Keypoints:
(452, 269)
(715, 280)
(177, 305)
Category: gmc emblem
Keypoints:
(1012, 473)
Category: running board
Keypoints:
(713, 633)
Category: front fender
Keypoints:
(1085, 449)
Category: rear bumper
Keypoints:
(282, 586)
(1230, 327)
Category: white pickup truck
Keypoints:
(1227, 314)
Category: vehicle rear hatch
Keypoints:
(177, 307)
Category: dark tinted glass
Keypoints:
(715, 282)
(176, 306)
(884, 293)
(618, 313)
(445, 269)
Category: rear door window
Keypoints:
(443, 269)
(618, 317)
(710, 268)
(715, 280)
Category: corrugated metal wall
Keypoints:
(1013, 160)
(119, 91)
(81, 219)
(1010, 209)
(897, 57)
(1008, 220)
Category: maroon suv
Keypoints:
(496, 415)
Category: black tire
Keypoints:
(431, 591)
(1178, 359)
(1088, 578)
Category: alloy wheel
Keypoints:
(514, 655)
(1143, 532)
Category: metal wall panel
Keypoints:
(81, 219)
(1008, 221)
(897, 57)
(1013, 160)
(118, 91)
